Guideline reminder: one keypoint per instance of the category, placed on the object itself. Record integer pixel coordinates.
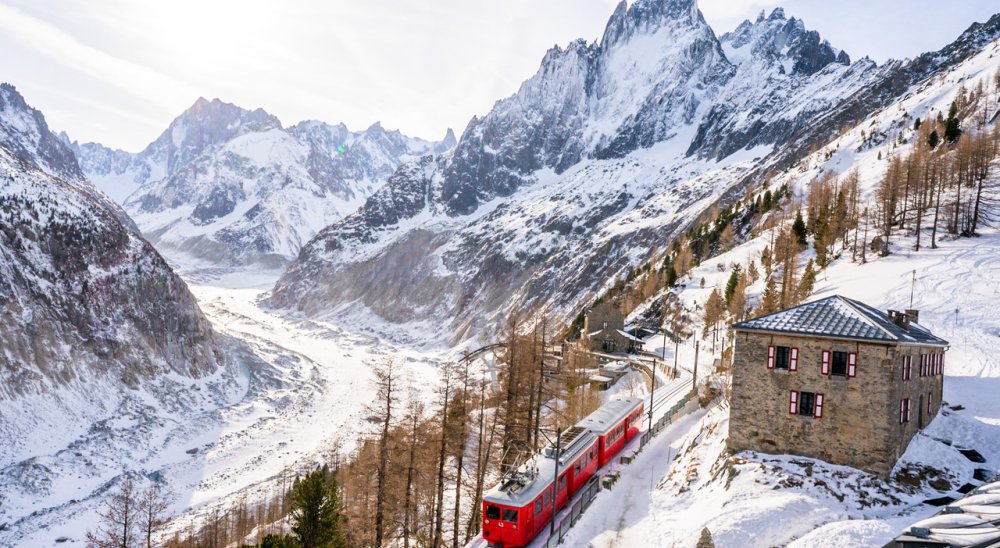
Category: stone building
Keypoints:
(604, 330)
(835, 380)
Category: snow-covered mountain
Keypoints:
(90, 314)
(608, 150)
(232, 185)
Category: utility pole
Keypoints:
(912, 287)
(555, 483)
(677, 346)
(651, 394)
(694, 379)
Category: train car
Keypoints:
(519, 508)
(515, 511)
(614, 424)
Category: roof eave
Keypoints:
(892, 342)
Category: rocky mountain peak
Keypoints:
(647, 16)
(204, 124)
(25, 133)
(782, 40)
(448, 142)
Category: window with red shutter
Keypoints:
(930, 401)
(793, 362)
(902, 410)
(852, 364)
(818, 412)
(793, 402)
(770, 357)
(825, 367)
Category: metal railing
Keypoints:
(665, 420)
(593, 486)
(589, 491)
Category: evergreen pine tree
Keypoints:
(316, 511)
(933, 139)
(671, 275)
(799, 229)
(951, 129)
(734, 280)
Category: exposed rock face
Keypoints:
(82, 295)
(232, 185)
(597, 159)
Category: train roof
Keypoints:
(610, 414)
(530, 480)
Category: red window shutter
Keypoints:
(770, 357)
(930, 401)
(942, 363)
(902, 409)
(818, 413)
(793, 362)
(909, 366)
(908, 407)
(852, 364)
(825, 369)
(793, 402)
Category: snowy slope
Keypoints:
(779, 500)
(603, 155)
(99, 339)
(232, 185)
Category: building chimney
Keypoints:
(900, 319)
(914, 315)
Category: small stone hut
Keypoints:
(835, 380)
(604, 330)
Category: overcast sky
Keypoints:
(118, 71)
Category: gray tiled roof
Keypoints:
(840, 317)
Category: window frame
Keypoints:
(490, 507)
(780, 351)
(834, 355)
(507, 512)
(802, 404)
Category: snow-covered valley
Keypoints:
(302, 395)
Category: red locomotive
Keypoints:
(515, 511)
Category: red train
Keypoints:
(515, 511)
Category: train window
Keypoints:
(576, 468)
(562, 483)
(492, 512)
(548, 496)
(538, 506)
(510, 515)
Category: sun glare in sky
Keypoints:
(118, 71)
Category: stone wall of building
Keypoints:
(860, 424)
(918, 389)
